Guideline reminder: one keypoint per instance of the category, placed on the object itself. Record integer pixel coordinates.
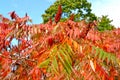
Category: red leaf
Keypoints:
(93, 35)
(50, 21)
(13, 15)
(102, 71)
(35, 73)
(6, 54)
(3, 26)
(113, 72)
(50, 41)
(4, 19)
(0, 58)
(72, 17)
(7, 43)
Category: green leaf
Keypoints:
(104, 56)
(69, 50)
(108, 57)
(49, 69)
(44, 63)
(64, 65)
(113, 58)
(55, 65)
(101, 54)
(53, 51)
(65, 50)
(97, 51)
(67, 62)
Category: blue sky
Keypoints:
(35, 8)
(107, 7)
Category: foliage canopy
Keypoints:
(105, 24)
(80, 8)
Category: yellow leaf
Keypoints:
(81, 51)
(92, 65)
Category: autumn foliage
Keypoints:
(62, 51)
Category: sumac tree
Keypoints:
(57, 51)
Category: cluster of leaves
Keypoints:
(57, 51)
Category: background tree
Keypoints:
(104, 23)
(81, 9)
